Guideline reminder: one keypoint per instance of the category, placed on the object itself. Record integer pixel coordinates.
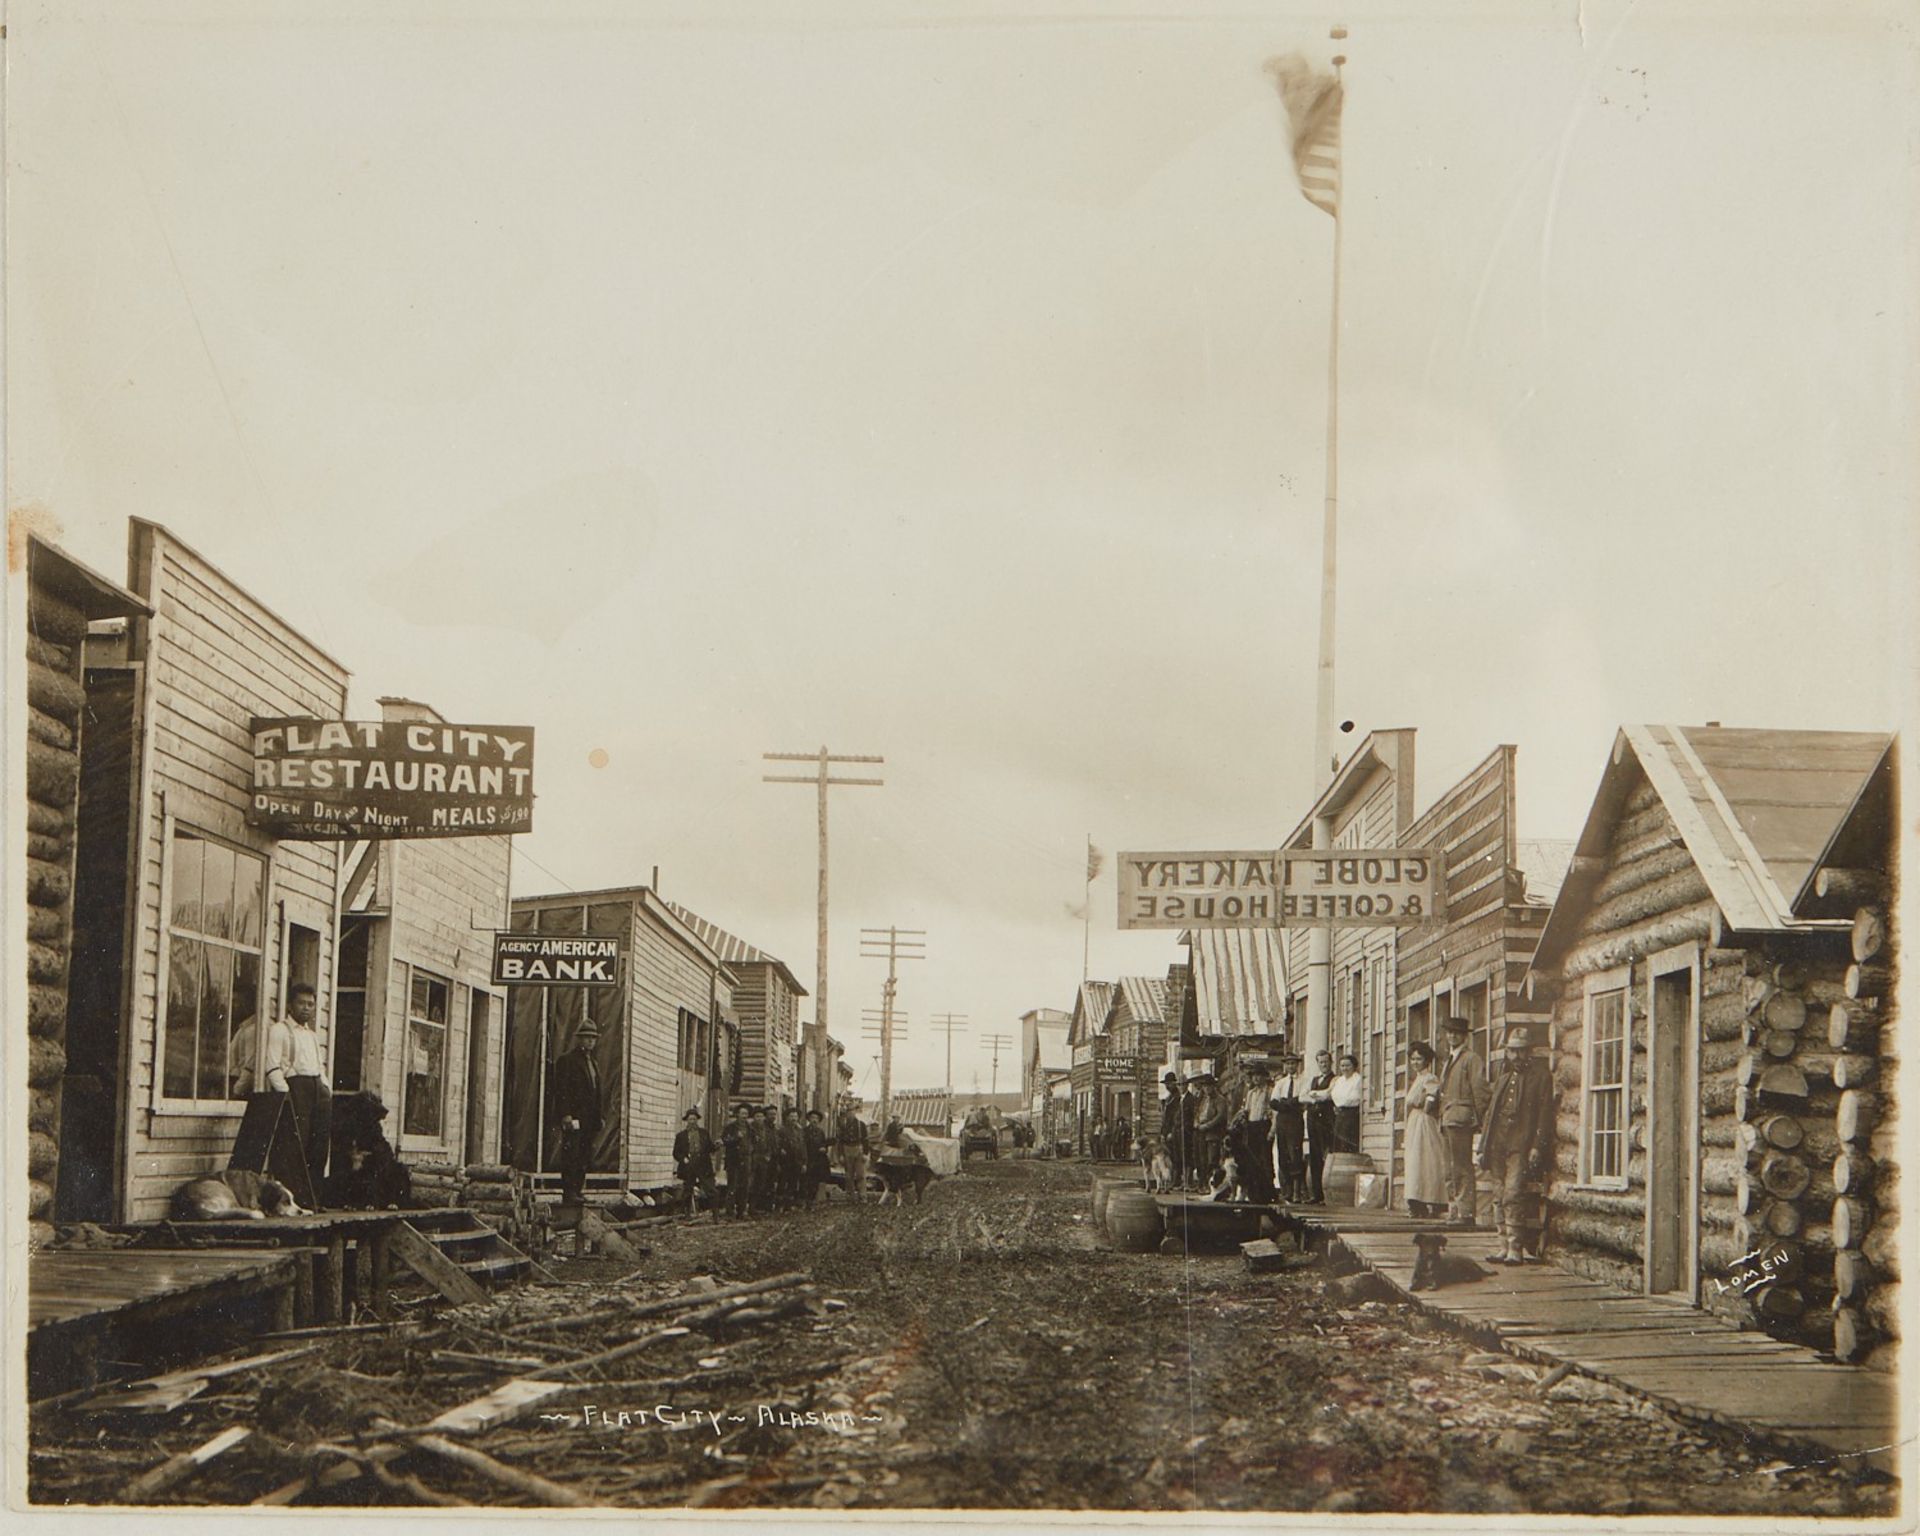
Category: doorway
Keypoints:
(479, 1024)
(1673, 1131)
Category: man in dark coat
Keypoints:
(735, 1140)
(764, 1146)
(1517, 1145)
(1320, 1117)
(793, 1157)
(1289, 1105)
(575, 1085)
(1173, 1129)
(815, 1132)
(693, 1159)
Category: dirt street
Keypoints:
(1021, 1363)
(981, 1349)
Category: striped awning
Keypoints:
(1239, 980)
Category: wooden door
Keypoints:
(1673, 1135)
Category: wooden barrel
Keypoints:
(1133, 1220)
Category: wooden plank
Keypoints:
(175, 1469)
(433, 1266)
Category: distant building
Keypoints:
(767, 1000)
(1084, 1038)
(1043, 1044)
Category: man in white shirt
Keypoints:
(291, 1064)
(1289, 1103)
(1253, 1134)
(1347, 1090)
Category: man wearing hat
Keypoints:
(1252, 1133)
(765, 1148)
(1289, 1104)
(1210, 1117)
(850, 1143)
(1517, 1148)
(575, 1085)
(815, 1132)
(736, 1141)
(1463, 1106)
(693, 1158)
(1173, 1130)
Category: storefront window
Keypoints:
(214, 922)
(426, 1078)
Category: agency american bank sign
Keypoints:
(1291, 888)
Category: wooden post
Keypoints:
(382, 1263)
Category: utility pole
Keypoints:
(899, 944)
(822, 779)
(997, 1041)
(950, 1024)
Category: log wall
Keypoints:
(56, 642)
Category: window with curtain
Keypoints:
(216, 915)
(423, 1110)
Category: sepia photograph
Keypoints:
(1050, 762)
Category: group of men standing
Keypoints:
(1284, 1128)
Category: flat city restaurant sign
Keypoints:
(554, 960)
(390, 778)
(1294, 888)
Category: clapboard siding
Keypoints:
(215, 657)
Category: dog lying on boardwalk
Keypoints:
(1432, 1268)
(236, 1195)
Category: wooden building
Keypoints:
(1088, 1045)
(417, 1018)
(1473, 964)
(68, 1080)
(1369, 804)
(663, 1044)
(1043, 1045)
(1136, 1031)
(190, 925)
(1718, 969)
(766, 1002)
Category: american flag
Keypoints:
(1313, 108)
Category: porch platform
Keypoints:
(91, 1309)
(1698, 1365)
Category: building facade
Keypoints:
(1718, 969)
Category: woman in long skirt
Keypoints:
(1426, 1148)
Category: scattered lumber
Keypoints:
(175, 1470)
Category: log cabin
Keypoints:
(1088, 1045)
(70, 1081)
(1716, 970)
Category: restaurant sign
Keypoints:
(316, 779)
(554, 960)
(1293, 888)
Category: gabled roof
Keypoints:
(1090, 1008)
(1145, 998)
(1756, 809)
(1391, 750)
(730, 949)
(1239, 980)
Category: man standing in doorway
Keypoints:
(293, 1067)
(1463, 1105)
(576, 1101)
(1517, 1148)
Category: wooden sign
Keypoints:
(554, 960)
(322, 779)
(1291, 888)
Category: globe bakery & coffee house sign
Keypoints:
(388, 778)
(1293, 888)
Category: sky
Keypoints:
(949, 382)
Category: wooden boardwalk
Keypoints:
(1699, 1365)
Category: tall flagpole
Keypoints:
(1324, 764)
(1086, 915)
